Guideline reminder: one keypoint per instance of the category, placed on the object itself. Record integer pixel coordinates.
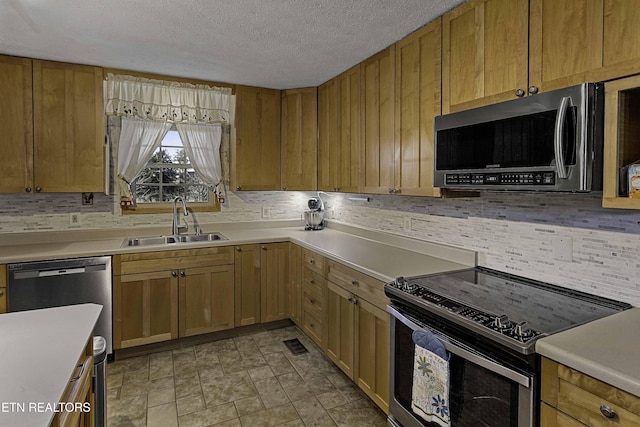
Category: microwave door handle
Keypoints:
(462, 352)
(558, 142)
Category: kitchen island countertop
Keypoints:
(39, 352)
(607, 349)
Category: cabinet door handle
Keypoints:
(182, 273)
(1, 292)
(174, 273)
(311, 300)
(28, 189)
(239, 187)
(38, 189)
(608, 412)
(311, 281)
(264, 248)
(355, 301)
(312, 261)
(354, 282)
(239, 249)
(350, 299)
(533, 90)
(519, 93)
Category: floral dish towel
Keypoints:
(431, 379)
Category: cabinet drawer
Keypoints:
(358, 283)
(168, 260)
(581, 397)
(311, 296)
(314, 261)
(312, 325)
(314, 280)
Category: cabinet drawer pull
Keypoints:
(608, 412)
(182, 273)
(312, 261)
(311, 300)
(312, 281)
(174, 274)
(81, 366)
(354, 282)
(238, 249)
(1, 292)
(264, 248)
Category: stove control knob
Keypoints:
(502, 323)
(522, 330)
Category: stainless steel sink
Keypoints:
(172, 240)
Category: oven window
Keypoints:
(478, 397)
(525, 141)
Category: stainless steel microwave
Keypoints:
(551, 141)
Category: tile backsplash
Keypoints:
(521, 233)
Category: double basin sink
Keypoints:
(173, 240)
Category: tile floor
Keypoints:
(250, 380)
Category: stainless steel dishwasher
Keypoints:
(46, 284)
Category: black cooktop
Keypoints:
(508, 308)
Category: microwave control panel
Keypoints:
(501, 178)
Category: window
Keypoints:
(169, 174)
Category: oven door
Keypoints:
(482, 391)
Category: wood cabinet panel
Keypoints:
(185, 258)
(145, 308)
(340, 328)
(314, 261)
(299, 142)
(206, 300)
(255, 155)
(357, 283)
(3, 288)
(484, 54)
(16, 126)
(339, 133)
(580, 397)
(247, 285)
(372, 332)
(378, 96)
(551, 417)
(274, 273)
(68, 117)
(418, 99)
(294, 291)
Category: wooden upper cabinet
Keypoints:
(339, 133)
(417, 104)
(16, 126)
(576, 41)
(255, 156)
(68, 117)
(299, 142)
(378, 126)
(484, 53)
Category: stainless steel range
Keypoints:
(489, 322)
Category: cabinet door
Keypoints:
(274, 272)
(551, 417)
(299, 161)
(247, 285)
(565, 42)
(3, 288)
(340, 324)
(417, 104)
(484, 53)
(372, 352)
(206, 300)
(255, 163)
(68, 127)
(145, 308)
(621, 42)
(16, 126)
(339, 133)
(294, 290)
(378, 150)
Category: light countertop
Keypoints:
(39, 350)
(607, 349)
(380, 255)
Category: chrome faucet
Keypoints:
(177, 227)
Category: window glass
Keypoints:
(169, 174)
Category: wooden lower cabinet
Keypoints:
(78, 393)
(571, 398)
(206, 297)
(247, 285)
(358, 329)
(294, 285)
(274, 275)
(145, 308)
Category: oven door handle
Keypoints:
(464, 353)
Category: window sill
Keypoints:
(153, 208)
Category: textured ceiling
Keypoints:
(269, 43)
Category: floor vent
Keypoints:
(295, 346)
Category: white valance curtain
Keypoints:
(150, 107)
(167, 101)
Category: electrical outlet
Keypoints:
(406, 223)
(563, 248)
(266, 212)
(74, 218)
